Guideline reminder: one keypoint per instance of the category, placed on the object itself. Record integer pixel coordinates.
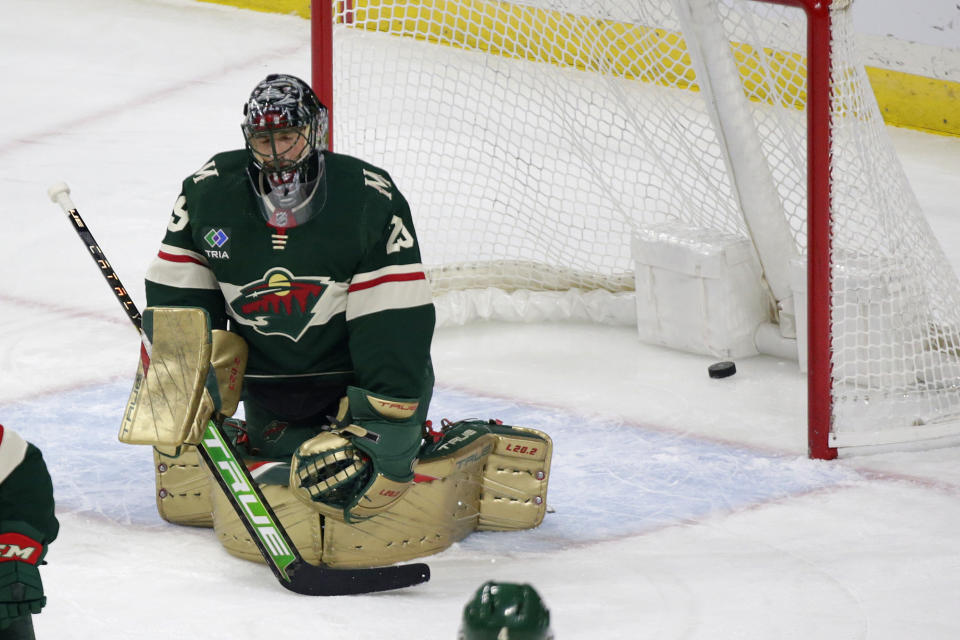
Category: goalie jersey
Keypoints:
(341, 298)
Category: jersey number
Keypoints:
(179, 218)
(400, 238)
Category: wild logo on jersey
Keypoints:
(280, 302)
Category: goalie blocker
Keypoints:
(473, 475)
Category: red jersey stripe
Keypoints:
(170, 257)
(399, 277)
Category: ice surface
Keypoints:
(681, 506)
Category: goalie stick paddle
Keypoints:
(263, 525)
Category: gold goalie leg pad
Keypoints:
(183, 486)
(515, 480)
(303, 525)
(496, 482)
(441, 508)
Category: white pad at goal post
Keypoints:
(169, 385)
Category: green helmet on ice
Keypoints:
(505, 611)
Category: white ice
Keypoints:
(683, 507)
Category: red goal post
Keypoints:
(630, 117)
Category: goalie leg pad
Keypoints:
(184, 486)
(482, 476)
(303, 524)
(487, 477)
(515, 480)
(440, 508)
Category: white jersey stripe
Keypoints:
(388, 294)
(13, 449)
(176, 267)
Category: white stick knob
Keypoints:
(60, 193)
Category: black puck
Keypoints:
(723, 369)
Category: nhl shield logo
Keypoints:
(280, 302)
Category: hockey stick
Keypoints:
(263, 525)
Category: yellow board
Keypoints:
(287, 7)
(905, 100)
(917, 102)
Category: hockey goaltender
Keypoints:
(289, 280)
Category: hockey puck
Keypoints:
(723, 369)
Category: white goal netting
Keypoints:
(534, 138)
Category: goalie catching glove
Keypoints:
(364, 463)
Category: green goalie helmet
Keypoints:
(505, 611)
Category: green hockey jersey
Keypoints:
(341, 298)
(26, 493)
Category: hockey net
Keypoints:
(535, 138)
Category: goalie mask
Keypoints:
(505, 610)
(285, 128)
